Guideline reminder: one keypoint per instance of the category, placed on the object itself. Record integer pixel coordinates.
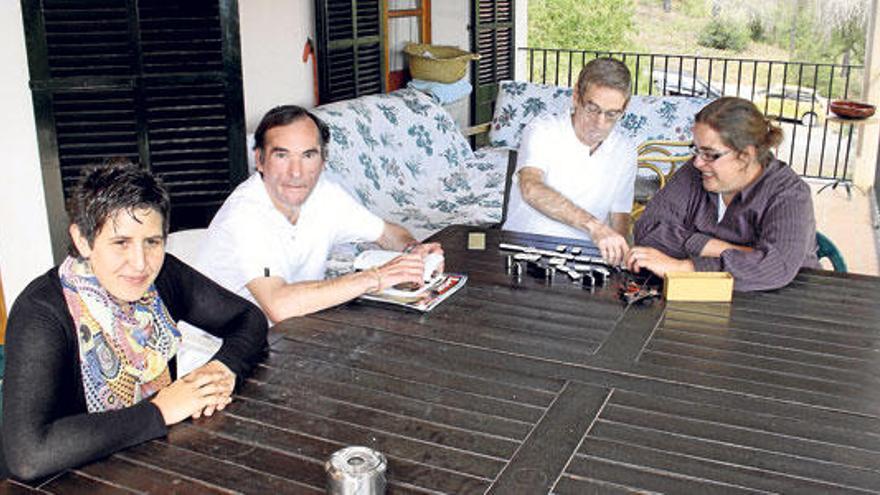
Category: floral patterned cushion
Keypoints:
(404, 158)
(667, 118)
(646, 118)
(518, 103)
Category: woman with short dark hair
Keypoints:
(733, 207)
(90, 344)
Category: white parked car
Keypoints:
(671, 83)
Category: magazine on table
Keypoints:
(436, 289)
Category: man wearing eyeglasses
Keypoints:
(574, 174)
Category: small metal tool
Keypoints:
(588, 282)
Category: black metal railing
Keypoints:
(796, 94)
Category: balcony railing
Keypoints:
(796, 94)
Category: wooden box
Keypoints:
(698, 286)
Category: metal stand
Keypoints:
(845, 183)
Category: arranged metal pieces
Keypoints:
(553, 254)
(586, 270)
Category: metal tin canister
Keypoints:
(356, 471)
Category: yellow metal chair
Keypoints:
(659, 160)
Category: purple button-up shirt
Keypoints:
(773, 215)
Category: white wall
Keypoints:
(273, 34)
(522, 39)
(25, 249)
(450, 21)
(450, 25)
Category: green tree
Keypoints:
(850, 37)
(579, 24)
(811, 30)
(723, 34)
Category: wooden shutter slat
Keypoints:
(98, 31)
(349, 48)
(493, 38)
(186, 132)
(152, 80)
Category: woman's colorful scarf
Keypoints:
(124, 347)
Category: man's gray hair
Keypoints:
(606, 72)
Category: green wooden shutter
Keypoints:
(494, 39)
(351, 58)
(157, 81)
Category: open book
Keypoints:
(437, 287)
(425, 298)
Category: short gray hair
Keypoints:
(606, 72)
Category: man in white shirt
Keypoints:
(270, 240)
(575, 175)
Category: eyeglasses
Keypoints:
(707, 156)
(594, 110)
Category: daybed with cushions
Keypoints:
(404, 158)
(402, 155)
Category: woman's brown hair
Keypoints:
(740, 124)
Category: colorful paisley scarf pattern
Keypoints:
(124, 347)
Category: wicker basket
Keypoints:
(445, 64)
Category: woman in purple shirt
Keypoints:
(733, 207)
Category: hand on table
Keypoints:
(611, 244)
(408, 268)
(655, 261)
(224, 377)
(429, 248)
(204, 390)
(404, 269)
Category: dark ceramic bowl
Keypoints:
(851, 109)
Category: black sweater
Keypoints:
(46, 425)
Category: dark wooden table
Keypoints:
(527, 388)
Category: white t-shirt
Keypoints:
(601, 183)
(248, 235)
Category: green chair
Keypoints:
(827, 249)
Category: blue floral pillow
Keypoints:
(518, 103)
(666, 118)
